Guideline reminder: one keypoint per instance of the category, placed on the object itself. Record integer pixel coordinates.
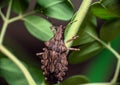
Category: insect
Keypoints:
(54, 58)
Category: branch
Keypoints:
(116, 74)
(115, 77)
(21, 16)
(106, 45)
(79, 17)
(5, 21)
(9, 9)
(99, 84)
(2, 15)
(19, 64)
(2, 34)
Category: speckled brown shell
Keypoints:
(54, 61)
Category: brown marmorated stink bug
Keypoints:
(54, 58)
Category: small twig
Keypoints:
(116, 72)
(2, 34)
(5, 22)
(108, 46)
(9, 9)
(21, 16)
(18, 63)
(2, 15)
(7, 52)
(78, 19)
(105, 83)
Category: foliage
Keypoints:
(93, 41)
(75, 80)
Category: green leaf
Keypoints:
(102, 12)
(112, 5)
(19, 6)
(11, 72)
(15, 76)
(59, 9)
(38, 27)
(110, 30)
(103, 65)
(36, 73)
(88, 45)
(86, 52)
(30, 63)
(90, 26)
(75, 80)
(101, 68)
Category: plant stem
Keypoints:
(21, 16)
(3, 31)
(7, 52)
(15, 18)
(2, 15)
(98, 84)
(18, 63)
(9, 9)
(5, 22)
(108, 46)
(116, 73)
(79, 17)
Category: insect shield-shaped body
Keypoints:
(53, 59)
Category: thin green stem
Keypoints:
(79, 17)
(116, 72)
(9, 9)
(18, 63)
(5, 22)
(21, 16)
(2, 15)
(98, 84)
(3, 31)
(15, 18)
(7, 52)
(108, 46)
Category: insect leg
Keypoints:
(39, 53)
(74, 49)
(73, 38)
